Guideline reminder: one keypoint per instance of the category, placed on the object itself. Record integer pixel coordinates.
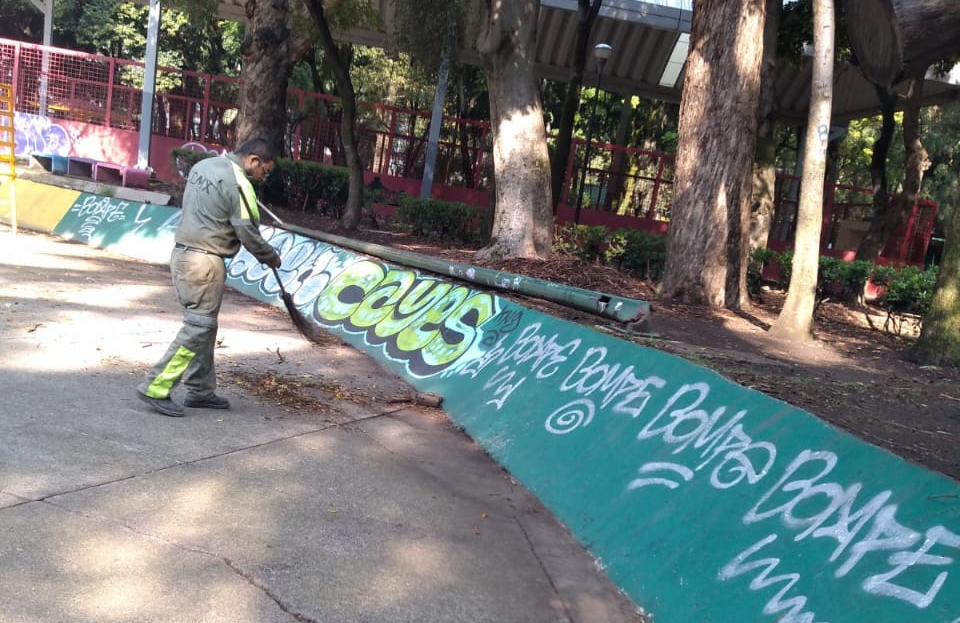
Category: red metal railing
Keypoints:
(623, 185)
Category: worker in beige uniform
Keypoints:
(219, 214)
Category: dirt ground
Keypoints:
(853, 375)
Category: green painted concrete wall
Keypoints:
(705, 501)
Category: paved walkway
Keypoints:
(352, 506)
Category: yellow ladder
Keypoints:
(8, 160)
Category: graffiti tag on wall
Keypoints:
(804, 534)
(424, 323)
(35, 134)
(706, 501)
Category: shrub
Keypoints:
(584, 241)
(643, 254)
(182, 160)
(640, 253)
(311, 186)
(432, 218)
(906, 290)
(845, 280)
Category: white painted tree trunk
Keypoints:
(796, 318)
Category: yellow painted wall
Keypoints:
(39, 206)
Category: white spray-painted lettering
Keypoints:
(765, 579)
(95, 210)
(829, 512)
(530, 353)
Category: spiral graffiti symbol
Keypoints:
(570, 417)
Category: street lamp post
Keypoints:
(602, 52)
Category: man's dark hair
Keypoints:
(257, 147)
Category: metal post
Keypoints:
(149, 85)
(602, 52)
(47, 9)
(436, 120)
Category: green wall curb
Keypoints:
(704, 500)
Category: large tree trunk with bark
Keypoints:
(719, 110)
(523, 222)
(348, 120)
(270, 50)
(939, 342)
(893, 39)
(765, 166)
(587, 11)
(795, 321)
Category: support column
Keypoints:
(149, 85)
(436, 120)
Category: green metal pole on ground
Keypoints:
(621, 309)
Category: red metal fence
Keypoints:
(66, 92)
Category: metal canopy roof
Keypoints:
(644, 35)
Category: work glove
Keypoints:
(275, 263)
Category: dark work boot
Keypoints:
(164, 406)
(210, 402)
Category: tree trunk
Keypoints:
(916, 164)
(873, 241)
(707, 240)
(893, 39)
(523, 222)
(587, 11)
(765, 165)
(348, 121)
(764, 189)
(939, 342)
(619, 160)
(795, 321)
(270, 50)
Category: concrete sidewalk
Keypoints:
(354, 508)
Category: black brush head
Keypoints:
(306, 328)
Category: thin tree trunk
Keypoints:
(523, 222)
(587, 11)
(795, 321)
(707, 240)
(619, 161)
(348, 121)
(873, 241)
(916, 164)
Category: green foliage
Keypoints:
(311, 186)
(796, 30)
(427, 46)
(182, 160)
(446, 220)
(584, 241)
(941, 128)
(191, 37)
(347, 14)
(640, 253)
(906, 290)
(19, 19)
(844, 280)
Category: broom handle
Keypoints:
(276, 275)
(269, 213)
